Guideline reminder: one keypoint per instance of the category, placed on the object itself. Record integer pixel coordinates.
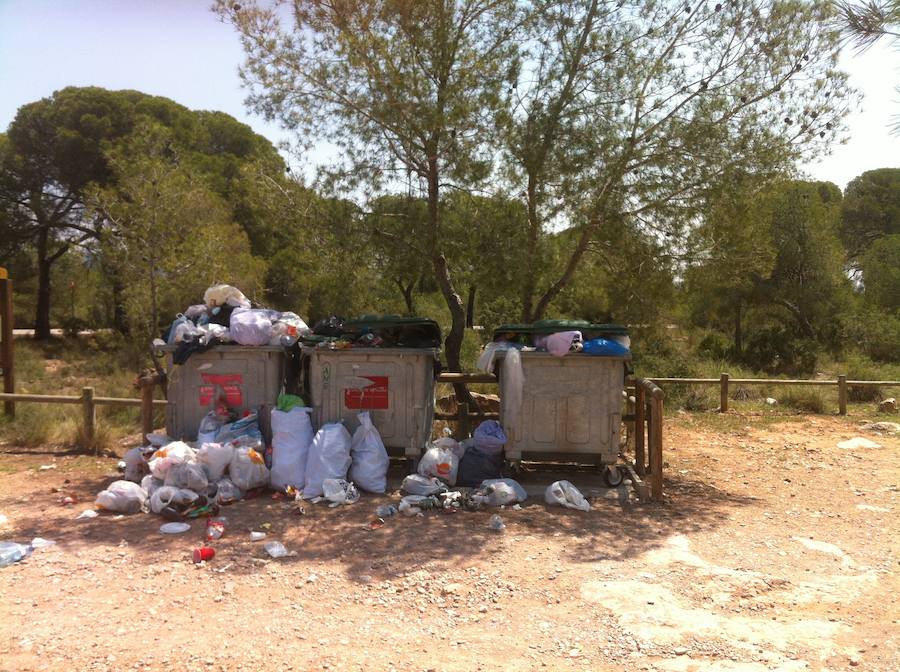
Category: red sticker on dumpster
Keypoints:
(228, 386)
(370, 397)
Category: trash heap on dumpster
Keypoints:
(226, 316)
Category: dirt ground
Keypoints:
(773, 550)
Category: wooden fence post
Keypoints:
(656, 446)
(90, 414)
(640, 425)
(7, 359)
(146, 410)
(723, 393)
(842, 395)
(463, 414)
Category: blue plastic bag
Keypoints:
(605, 348)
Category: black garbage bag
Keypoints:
(477, 466)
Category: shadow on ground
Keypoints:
(341, 537)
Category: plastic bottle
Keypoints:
(497, 523)
(11, 552)
(215, 528)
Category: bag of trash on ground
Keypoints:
(440, 462)
(171, 454)
(499, 492)
(477, 466)
(449, 443)
(122, 497)
(169, 495)
(329, 457)
(227, 492)
(248, 469)
(151, 484)
(136, 466)
(250, 327)
(566, 494)
(413, 504)
(215, 458)
(188, 475)
(489, 437)
(292, 434)
(339, 491)
(369, 458)
(414, 484)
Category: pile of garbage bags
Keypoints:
(229, 462)
(227, 316)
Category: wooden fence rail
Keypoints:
(725, 380)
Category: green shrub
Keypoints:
(807, 398)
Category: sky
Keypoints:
(179, 49)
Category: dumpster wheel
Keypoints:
(612, 476)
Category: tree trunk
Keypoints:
(569, 271)
(531, 252)
(120, 323)
(408, 298)
(42, 312)
(454, 339)
(470, 307)
(738, 328)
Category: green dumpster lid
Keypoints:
(411, 332)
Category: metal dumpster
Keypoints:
(571, 406)
(244, 378)
(394, 383)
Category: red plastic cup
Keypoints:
(204, 553)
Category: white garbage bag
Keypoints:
(250, 327)
(292, 434)
(220, 295)
(189, 476)
(369, 458)
(566, 494)
(171, 454)
(248, 469)
(215, 458)
(329, 457)
(123, 497)
(135, 465)
(499, 492)
(414, 484)
(227, 492)
(151, 484)
(168, 495)
(209, 428)
(440, 462)
(339, 491)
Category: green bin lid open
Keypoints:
(410, 332)
(542, 327)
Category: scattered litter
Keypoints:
(566, 494)
(858, 442)
(312, 578)
(499, 492)
(3, 519)
(46, 467)
(174, 528)
(257, 536)
(203, 554)
(497, 523)
(276, 549)
(888, 405)
(771, 401)
(376, 523)
(339, 491)
(68, 500)
(215, 528)
(87, 513)
(39, 542)
(889, 427)
(386, 511)
(11, 552)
